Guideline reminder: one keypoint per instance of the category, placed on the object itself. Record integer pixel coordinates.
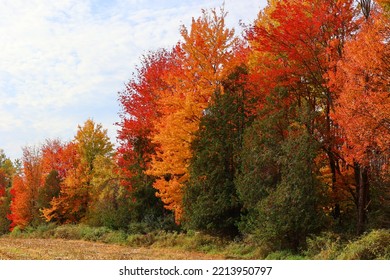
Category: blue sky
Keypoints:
(62, 62)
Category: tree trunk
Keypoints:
(362, 197)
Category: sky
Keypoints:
(62, 62)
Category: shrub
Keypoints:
(139, 228)
(372, 246)
(117, 237)
(67, 232)
(325, 246)
(93, 234)
(78, 232)
(141, 240)
(16, 232)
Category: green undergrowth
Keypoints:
(373, 245)
(326, 246)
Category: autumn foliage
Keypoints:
(279, 134)
(204, 59)
(362, 80)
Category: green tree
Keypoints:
(211, 201)
(292, 211)
(6, 173)
(278, 180)
(5, 201)
(50, 189)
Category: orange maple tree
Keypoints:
(78, 158)
(363, 79)
(20, 210)
(204, 58)
(25, 190)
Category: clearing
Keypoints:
(61, 249)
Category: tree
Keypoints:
(363, 107)
(20, 205)
(296, 46)
(54, 169)
(59, 208)
(204, 59)
(7, 171)
(137, 127)
(91, 141)
(71, 205)
(25, 190)
(109, 204)
(5, 223)
(278, 181)
(260, 171)
(53, 157)
(34, 179)
(7, 168)
(385, 4)
(211, 202)
(50, 189)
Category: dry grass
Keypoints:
(60, 249)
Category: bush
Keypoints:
(139, 228)
(153, 223)
(16, 232)
(67, 232)
(372, 246)
(326, 246)
(168, 239)
(79, 232)
(117, 237)
(94, 234)
(141, 240)
(41, 231)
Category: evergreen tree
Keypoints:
(211, 201)
(50, 189)
(292, 211)
(278, 180)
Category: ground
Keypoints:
(60, 249)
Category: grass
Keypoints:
(374, 245)
(371, 246)
(179, 245)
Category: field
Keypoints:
(81, 242)
(61, 249)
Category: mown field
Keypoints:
(81, 242)
(61, 249)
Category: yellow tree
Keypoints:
(204, 59)
(90, 142)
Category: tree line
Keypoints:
(279, 133)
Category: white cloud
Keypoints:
(64, 61)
